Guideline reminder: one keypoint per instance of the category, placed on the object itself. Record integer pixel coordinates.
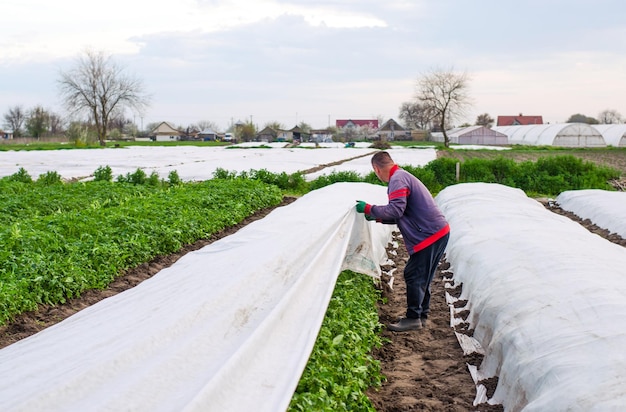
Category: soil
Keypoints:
(425, 370)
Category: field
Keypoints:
(614, 158)
(425, 371)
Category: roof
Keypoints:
(557, 134)
(391, 125)
(165, 128)
(268, 131)
(360, 123)
(518, 120)
(474, 131)
(614, 134)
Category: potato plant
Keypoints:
(62, 239)
(341, 367)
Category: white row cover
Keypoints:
(194, 163)
(227, 328)
(605, 209)
(547, 300)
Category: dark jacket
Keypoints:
(413, 209)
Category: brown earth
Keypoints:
(425, 370)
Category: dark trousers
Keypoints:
(418, 274)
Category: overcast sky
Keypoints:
(319, 61)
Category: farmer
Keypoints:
(423, 227)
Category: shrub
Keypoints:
(21, 176)
(153, 179)
(379, 144)
(173, 178)
(138, 177)
(334, 177)
(49, 178)
(103, 174)
(444, 170)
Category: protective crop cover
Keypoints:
(229, 327)
(605, 209)
(546, 300)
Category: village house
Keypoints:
(519, 120)
(165, 133)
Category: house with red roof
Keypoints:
(519, 120)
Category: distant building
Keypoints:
(353, 124)
(519, 120)
(207, 134)
(392, 130)
(472, 135)
(269, 135)
(6, 134)
(164, 132)
(321, 136)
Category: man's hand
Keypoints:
(360, 206)
(369, 217)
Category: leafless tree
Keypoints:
(207, 124)
(276, 125)
(484, 120)
(415, 115)
(56, 124)
(609, 116)
(38, 122)
(14, 119)
(98, 87)
(445, 94)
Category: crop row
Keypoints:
(65, 239)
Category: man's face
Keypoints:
(378, 173)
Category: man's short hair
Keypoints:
(382, 159)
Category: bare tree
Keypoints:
(609, 117)
(445, 94)
(415, 115)
(56, 124)
(14, 119)
(99, 88)
(38, 122)
(276, 125)
(484, 120)
(247, 132)
(207, 124)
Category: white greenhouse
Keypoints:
(473, 135)
(614, 134)
(559, 134)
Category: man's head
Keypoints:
(382, 164)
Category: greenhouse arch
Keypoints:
(614, 134)
(559, 134)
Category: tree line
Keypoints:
(99, 91)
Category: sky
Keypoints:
(298, 61)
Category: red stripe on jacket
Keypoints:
(432, 238)
(404, 192)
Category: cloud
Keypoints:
(270, 59)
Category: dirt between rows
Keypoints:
(425, 370)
